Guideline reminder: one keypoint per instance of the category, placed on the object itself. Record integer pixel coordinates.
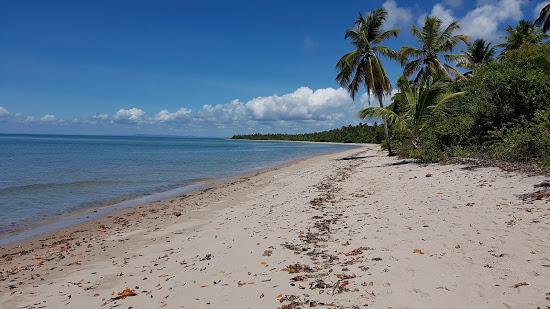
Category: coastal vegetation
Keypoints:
(362, 65)
(499, 109)
(362, 133)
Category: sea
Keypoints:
(44, 178)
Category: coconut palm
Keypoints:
(434, 40)
(544, 18)
(477, 53)
(524, 33)
(362, 65)
(416, 101)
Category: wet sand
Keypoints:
(344, 230)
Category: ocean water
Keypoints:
(44, 177)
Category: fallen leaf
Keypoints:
(263, 263)
(517, 285)
(127, 292)
(418, 251)
(428, 175)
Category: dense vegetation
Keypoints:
(500, 109)
(361, 133)
(504, 114)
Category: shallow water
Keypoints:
(43, 177)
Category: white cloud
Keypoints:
(48, 118)
(485, 21)
(100, 117)
(302, 104)
(165, 116)
(397, 17)
(446, 15)
(303, 110)
(133, 115)
(3, 112)
(539, 7)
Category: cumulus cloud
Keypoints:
(3, 112)
(48, 118)
(133, 115)
(303, 110)
(166, 116)
(397, 17)
(100, 117)
(302, 104)
(446, 15)
(484, 21)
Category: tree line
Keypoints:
(498, 109)
(362, 133)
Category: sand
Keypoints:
(353, 229)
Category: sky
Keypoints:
(202, 68)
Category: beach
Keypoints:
(352, 229)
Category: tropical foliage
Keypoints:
(414, 103)
(434, 41)
(544, 18)
(502, 115)
(500, 109)
(524, 33)
(362, 65)
(476, 54)
(361, 133)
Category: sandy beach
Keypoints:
(352, 229)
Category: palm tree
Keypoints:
(544, 18)
(362, 65)
(416, 101)
(434, 41)
(477, 53)
(524, 33)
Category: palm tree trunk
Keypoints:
(386, 134)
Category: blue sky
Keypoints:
(203, 68)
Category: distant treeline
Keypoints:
(362, 133)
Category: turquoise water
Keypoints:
(43, 177)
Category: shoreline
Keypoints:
(65, 223)
(100, 209)
(344, 230)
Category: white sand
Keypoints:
(353, 226)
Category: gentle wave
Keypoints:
(47, 186)
(45, 177)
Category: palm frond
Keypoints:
(386, 35)
(387, 52)
(544, 18)
(390, 117)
